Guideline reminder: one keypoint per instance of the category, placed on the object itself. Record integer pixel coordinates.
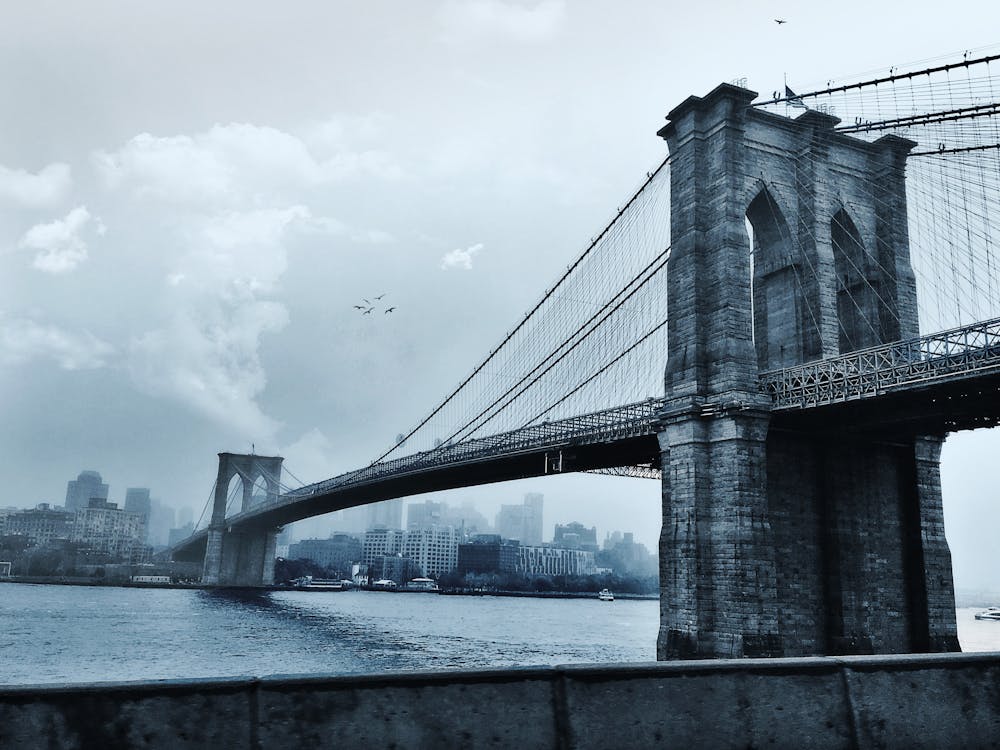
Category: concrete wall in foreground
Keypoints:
(908, 702)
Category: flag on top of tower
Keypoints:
(794, 99)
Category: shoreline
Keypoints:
(47, 581)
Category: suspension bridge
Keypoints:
(781, 324)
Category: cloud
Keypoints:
(459, 258)
(35, 190)
(22, 340)
(473, 20)
(207, 355)
(61, 247)
(236, 164)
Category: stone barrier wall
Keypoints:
(917, 701)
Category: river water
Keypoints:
(76, 633)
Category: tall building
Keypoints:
(387, 514)
(181, 533)
(137, 501)
(103, 527)
(379, 543)
(425, 515)
(87, 485)
(466, 520)
(434, 551)
(522, 522)
(575, 535)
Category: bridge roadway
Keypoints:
(929, 385)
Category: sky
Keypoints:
(193, 196)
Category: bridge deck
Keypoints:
(930, 366)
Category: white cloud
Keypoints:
(473, 20)
(22, 339)
(34, 190)
(459, 258)
(60, 244)
(207, 356)
(236, 164)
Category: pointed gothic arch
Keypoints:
(860, 312)
(777, 306)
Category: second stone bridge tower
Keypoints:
(789, 244)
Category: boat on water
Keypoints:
(990, 613)
(308, 583)
(606, 596)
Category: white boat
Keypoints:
(990, 613)
(606, 596)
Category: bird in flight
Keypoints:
(380, 297)
(359, 307)
(780, 21)
(389, 310)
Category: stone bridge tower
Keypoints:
(784, 540)
(244, 558)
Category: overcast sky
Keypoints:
(193, 195)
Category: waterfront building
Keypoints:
(105, 528)
(392, 568)
(434, 551)
(379, 543)
(79, 491)
(555, 561)
(522, 522)
(575, 535)
(488, 553)
(338, 552)
(41, 525)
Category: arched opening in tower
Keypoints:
(859, 309)
(777, 288)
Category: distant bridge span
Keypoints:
(937, 383)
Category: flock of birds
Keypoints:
(368, 307)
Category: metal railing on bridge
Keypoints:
(622, 422)
(888, 367)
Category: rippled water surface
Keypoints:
(75, 633)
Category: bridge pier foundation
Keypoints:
(718, 583)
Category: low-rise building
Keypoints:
(338, 552)
(488, 553)
(550, 560)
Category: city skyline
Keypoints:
(236, 207)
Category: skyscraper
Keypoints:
(87, 485)
(522, 522)
(137, 500)
(387, 514)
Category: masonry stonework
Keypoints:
(244, 558)
(777, 542)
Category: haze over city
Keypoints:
(187, 227)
